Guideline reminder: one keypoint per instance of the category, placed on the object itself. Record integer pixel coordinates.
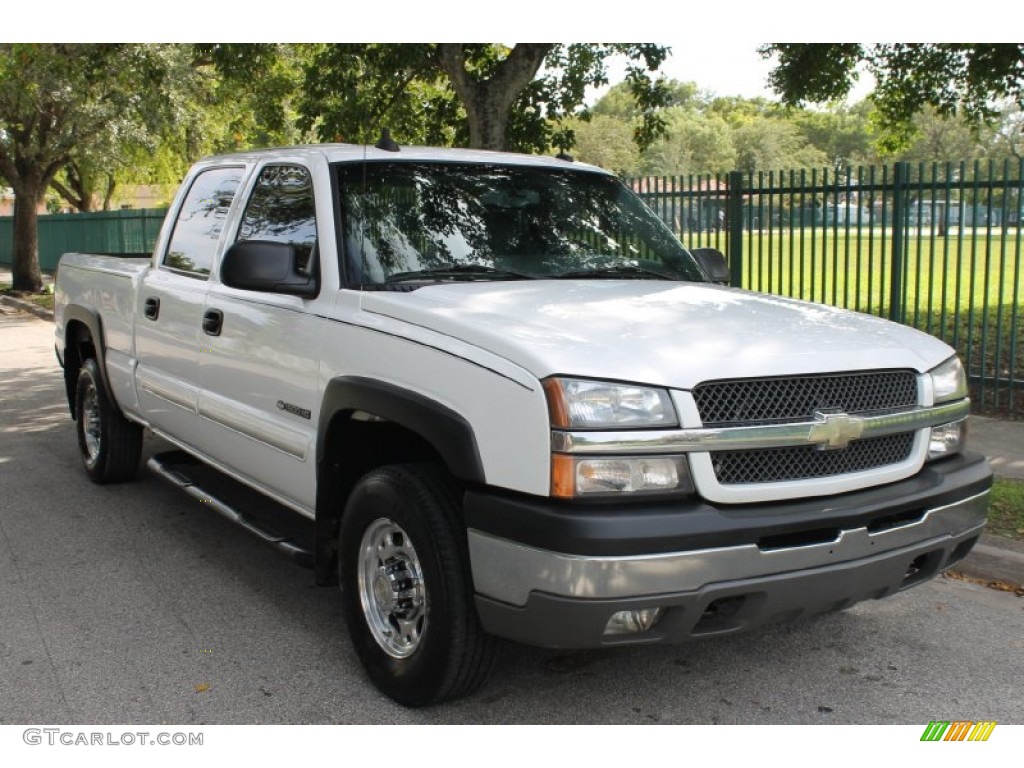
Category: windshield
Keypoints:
(423, 222)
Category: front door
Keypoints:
(259, 404)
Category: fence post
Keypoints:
(901, 179)
(735, 215)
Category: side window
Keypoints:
(281, 209)
(200, 221)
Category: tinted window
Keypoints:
(281, 209)
(201, 219)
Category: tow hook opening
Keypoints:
(922, 568)
(720, 615)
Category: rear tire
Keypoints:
(110, 444)
(406, 587)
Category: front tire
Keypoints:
(406, 588)
(110, 444)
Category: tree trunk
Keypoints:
(489, 102)
(25, 269)
(108, 197)
(488, 119)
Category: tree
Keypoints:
(695, 143)
(771, 144)
(608, 142)
(845, 134)
(954, 78)
(619, 101)
(349, 92)
(486, 95)
(214, 99)
(56, 101)
(938, 139)
(1007, 138)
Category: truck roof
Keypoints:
(342, 153)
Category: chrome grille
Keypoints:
(806, 462)
(763, 401)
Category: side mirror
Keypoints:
(265, 265)
(712, 262)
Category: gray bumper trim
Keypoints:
(508, 572)
(728, 607)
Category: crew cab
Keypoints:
(494, 396)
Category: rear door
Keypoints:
(169, 337)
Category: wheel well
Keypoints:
(78, 347)
(355, 444)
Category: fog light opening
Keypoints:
(947, 439)
(632, 622)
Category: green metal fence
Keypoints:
(130, 231)
(935, 246)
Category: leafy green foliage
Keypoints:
(60, 103)
(953, 78)
(606, 141)
(476, 94)
(349, 92)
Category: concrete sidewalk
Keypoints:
(994, 558)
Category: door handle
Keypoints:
(152, 308)
(213, 319)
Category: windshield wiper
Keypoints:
(457, 271)
(628, 271)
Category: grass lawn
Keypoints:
(967, 288)
(853, 269)
(44, 300)
(1006, 514)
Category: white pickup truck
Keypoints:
(503, 400)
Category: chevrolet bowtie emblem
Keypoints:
(835, 430)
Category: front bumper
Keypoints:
(714, 570)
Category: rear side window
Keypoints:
(200, 221)
(281, 209)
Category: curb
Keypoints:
(27, 306)
(995, 558)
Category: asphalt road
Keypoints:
(134, 604)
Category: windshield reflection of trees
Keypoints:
(403, 217)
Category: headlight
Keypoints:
(949, 382)
(582, 404)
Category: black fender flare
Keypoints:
(91, 319)
(447, 432)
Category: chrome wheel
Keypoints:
(92, 424)
(406, 586)
(391, 588)
(108, 443)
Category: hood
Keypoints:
(663, 333)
